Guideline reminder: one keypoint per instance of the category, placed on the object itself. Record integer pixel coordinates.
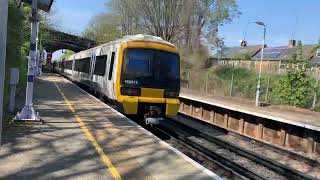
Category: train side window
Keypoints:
(69, 65)
(86, 65)
(100, 66)
(82, 65)
(77, 65)
(111, 65)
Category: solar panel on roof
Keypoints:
(271, 53)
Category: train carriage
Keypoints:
(140, 74)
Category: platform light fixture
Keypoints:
(243, 43)
(44, 5)
(259, 23)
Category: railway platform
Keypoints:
(83, 138)
(298, 117)
(294, 129)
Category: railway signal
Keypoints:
(49, 57)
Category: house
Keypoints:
(315, 59)
(275, 59)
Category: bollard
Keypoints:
(14, 80)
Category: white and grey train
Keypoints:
(139, 74)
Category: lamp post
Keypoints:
(261, 58)
(3, 44)
(28, 113)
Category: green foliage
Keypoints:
(244, 80)
(193, 60)
(317, 107)
(295, 87)
(18, 40)
(67, 54)
(243, 56)
(17, 44)
(179, 21)
(103, 28)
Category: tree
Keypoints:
(126, 10)
(103, 28)
(161, 17)
(182, 21)
(67, 54)
(156, 17)
(295, 87)
(206, 17)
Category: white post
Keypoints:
(37, 51)
(260, 68)
(41, 61)
(28, 112)
(14, 80)
(3, 44)
(316, 88)
(231, 85)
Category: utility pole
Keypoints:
(28, 113)
(3, 49)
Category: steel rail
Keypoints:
(211, 154)
(270, 164)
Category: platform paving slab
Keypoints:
(61, 149)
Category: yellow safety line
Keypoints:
(105, 159)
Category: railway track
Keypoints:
(222, 157)
(197, 153)
(258, 144)
(248, 164)
(294, 136)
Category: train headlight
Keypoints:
(171, 94)
(129, 91)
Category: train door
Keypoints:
(73, 64)
(111, 72)
(63, 63)
(54, 64)
(91, 70)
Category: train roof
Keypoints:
(145, 37)
(128, 38)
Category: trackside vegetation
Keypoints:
(17, 45)
(295, 87)
(18, 42)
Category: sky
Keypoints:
(74, 15)
(284, 18)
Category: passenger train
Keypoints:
(138, 74)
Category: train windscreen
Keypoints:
(151, 68)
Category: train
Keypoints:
(139, 75)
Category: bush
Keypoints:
(317, 107)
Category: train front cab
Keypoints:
(148, 80)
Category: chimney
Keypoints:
(292, 43)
